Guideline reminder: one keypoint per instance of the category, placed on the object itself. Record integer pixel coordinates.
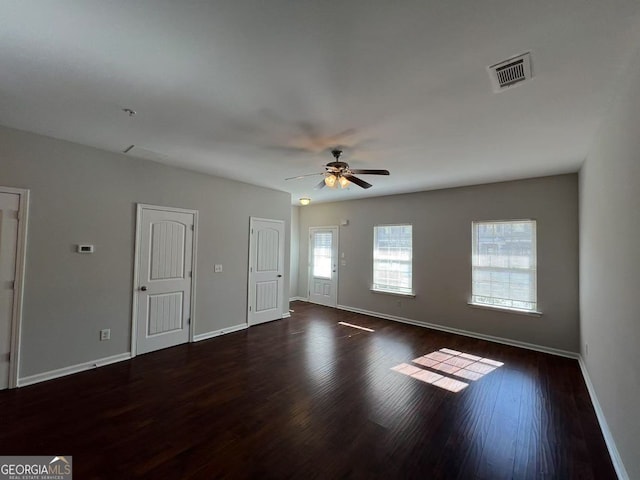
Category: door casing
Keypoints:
(18, 286)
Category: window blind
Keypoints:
(322, 254)
(504, 264)
(393, 258)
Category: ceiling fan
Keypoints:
(339, 173)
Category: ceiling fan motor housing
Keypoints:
(338, 166)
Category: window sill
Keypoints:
(531, 313)
(390, 292)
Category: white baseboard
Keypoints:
(222, 331)
(466, 333)
(286, 315)
(81, 367)
(295, 299)
(604, 427)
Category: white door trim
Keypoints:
(251, 254)
(136, 273)
(18, 286)
(310, 260)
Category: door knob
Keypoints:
(279, 276)
(143, 288)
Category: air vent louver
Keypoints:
(510, 72)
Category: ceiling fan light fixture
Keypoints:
(330, 181)
(338, 173)
(305, 201)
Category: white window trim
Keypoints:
(392, 292)
(482, 306)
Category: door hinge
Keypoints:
(193, 228)
(190, 274)
(189, 321)
(249, 307)
(252, 231)
(250, 269)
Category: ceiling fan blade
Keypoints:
(369, 172)
(302, 176)
(320, 185)
(357, 181)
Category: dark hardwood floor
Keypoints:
(309, 398)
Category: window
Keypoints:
(322, 255)
(392, 259)
(504, 264)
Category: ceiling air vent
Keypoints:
(510, 72)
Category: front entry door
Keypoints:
(266, 267)
(323, 265)
(164, 254)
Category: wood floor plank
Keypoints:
(306, 397)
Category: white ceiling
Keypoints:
(241, 88)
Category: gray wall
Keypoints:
(609, 268)
(442, 255)
(84, 195)
(295, 251)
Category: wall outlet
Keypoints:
(217, 268)
(105, 334)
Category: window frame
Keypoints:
(535, 311)
(391, 291)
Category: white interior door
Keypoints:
(9, 207)
(323, 265)
(164, 276)
(266, 269)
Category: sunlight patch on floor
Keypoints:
(448, 362)
(356, 326)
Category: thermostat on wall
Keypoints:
(85, 249)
